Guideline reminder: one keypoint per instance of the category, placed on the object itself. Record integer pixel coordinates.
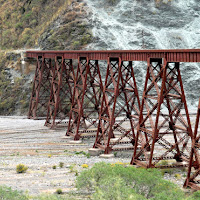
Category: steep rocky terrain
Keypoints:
(35, 24)
(97, 24)
(149, 24)
(58, 24)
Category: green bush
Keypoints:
(83, 153)
(54, 167)
(6, 193)
(59, 191)
(167, 171)
(21, 168)
(114, 181)
(61, 164)
(19, 25)
(194, 196)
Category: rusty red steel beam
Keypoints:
(119, 110)
(61, 92)
(193, 175)
(172, 55)
(86, 98)
(168, 134)
(41, 88)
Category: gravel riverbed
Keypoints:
(31, 143)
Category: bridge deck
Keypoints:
(173, 55)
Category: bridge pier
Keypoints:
(41, 89)
(119, 110)
(193, 177)
(61, 92)
(163, 133)
(86, 98)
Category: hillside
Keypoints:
(35, 24)
(58, 24)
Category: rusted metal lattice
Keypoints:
(164, 129)
(86, 99)
(119, 111)
(61, 92)
(193, 176)
(163, 132)
(41, 88)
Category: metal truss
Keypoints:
(119, 111)
(61, 92)
(164, 130)
(193, 176)
(113, 110)
(41, 88)
(86, 99)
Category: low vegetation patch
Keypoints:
(84, 166)
(7, 193)
(61, 164)
(83, 153)
(59, 191)
(107, 181)
(54, 167)
(117, 181)
(21, 168)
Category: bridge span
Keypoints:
(101, 100)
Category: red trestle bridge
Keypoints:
(96, 94)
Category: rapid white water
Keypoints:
(143, 24)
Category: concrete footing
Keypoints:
(75, 141)
(67, 137)
(107, 156)
(112, 140)
(94, 151)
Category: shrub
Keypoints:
(178, 176)
(83, 153)
(59, 191)
(6, 193)
(21, 168)
(167, 171)
(61, 164)
(73, 169)
(111, 181)
(19, 25)
(76, 44)
(113, 188)
(112, 2)
(54, 167)
(162, 162)
(84, 166)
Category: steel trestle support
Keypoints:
(61, 92)
(193, 176)
(41, 88)
(119, 107)
(86, 99)
(113, 111)
(168, 134)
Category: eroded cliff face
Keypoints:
(97, 24)
(136, 24)
(149, 24)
